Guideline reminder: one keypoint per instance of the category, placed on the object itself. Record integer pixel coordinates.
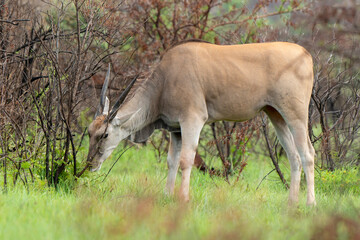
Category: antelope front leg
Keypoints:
(190, 137)
(173, 161)
(186, 163)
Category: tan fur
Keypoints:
(96, 124)
(197, 83)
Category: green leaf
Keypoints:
(25, 165)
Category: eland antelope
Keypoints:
(197, 83)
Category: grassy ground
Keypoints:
(130, 204)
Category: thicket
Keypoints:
(53, 56)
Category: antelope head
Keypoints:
(105, 132)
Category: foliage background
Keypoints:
(53, 58)
(54, 55)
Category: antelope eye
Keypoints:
(105, 135)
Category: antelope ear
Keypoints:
(117, 121)
(106, 107)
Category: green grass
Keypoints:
(131, 204)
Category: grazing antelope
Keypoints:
(197, 83)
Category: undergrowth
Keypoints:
(131, 204)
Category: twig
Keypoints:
(81, 140)
(272, 155)
(264, 178)
(82, 171)
(14, 22)
(116, 162)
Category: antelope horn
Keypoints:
(121, 99)
(103, 94)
